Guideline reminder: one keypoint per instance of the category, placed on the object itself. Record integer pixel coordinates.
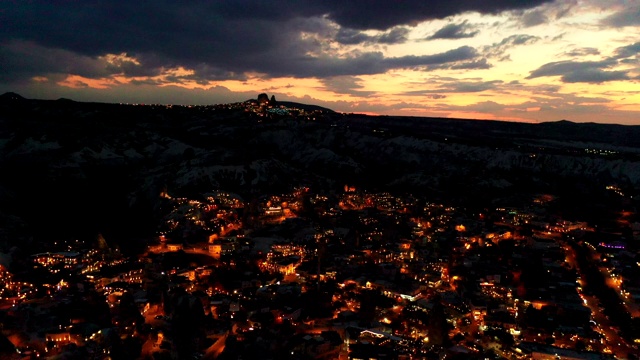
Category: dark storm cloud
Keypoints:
(627, 51)
(369, 14)
(148, 82)
(20, 59)
(176, 34)
(460, 54)
(368, 63)
(592, 75)
(395, 36)
(25, 59)
(383, 14)
(454, 31)
(349, 85)
(629, 16)
(352, 37)
(544, 14)
(220, 39)
(564, 67)
(348, 36)
(533, 18)
(580, 71)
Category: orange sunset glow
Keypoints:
(530, 61)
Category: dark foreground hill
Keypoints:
(71, 167)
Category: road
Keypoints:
(189, 250)
(217, 348)
(631, 306)
(614, 343)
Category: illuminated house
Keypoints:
(62, 337)
(221, 247)
(174, 247)
(288, 266)
(215, 250)
(68, 258)
(273, 211)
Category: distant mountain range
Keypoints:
(306, 107)
(69, 167)
(11, 96)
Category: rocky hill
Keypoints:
(70, 167)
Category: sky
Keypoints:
(516, 60)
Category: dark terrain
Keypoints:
(70, 169)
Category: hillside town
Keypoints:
(350, 274)
(320, 180)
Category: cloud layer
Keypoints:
(222, 39)
(378, 54)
